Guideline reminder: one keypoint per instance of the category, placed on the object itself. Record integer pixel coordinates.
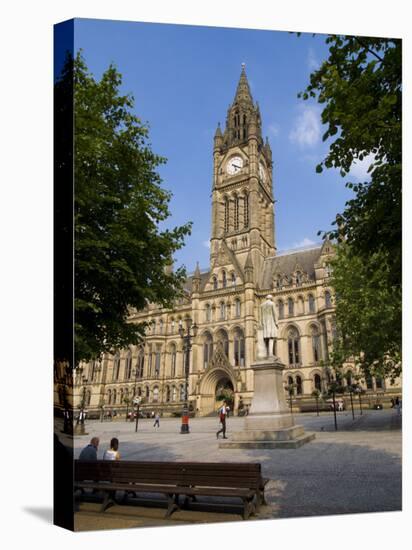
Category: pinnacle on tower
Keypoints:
(243, 94)
(218, 132)
(196, 274)
(248, 269)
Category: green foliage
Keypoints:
(226, 394)
(368, 313)
(120, 254)
(360, 89)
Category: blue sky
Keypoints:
(183, 79)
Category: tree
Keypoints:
(360, 87)
(120, 254)
(368, 313)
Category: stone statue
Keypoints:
(269, 324)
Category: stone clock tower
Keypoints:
(242, 194)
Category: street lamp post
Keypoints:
(316, 394)
(136, 402)
(191, 332)
(80, 427)
(290, 388)
(358, 390)
(350, 389)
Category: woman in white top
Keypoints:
(113, 452)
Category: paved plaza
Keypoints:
(356, 469)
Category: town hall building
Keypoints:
(224, 300)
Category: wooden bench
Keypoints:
(174, 479)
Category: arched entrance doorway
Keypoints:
(224, 392)
(217, 384)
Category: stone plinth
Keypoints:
(269, 395)
(269, 424)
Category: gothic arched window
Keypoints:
(207, 349)
(348, 377)
(369, 383)
(237, 307)
(318, 382)
(155, 394)
(293, 347)
(281, 312)
(328, 299)
(311, 300)
(291, 307)
(233, 277)
(150, 361)
(214, 283)
(116, 367)
(174, 393)
(208, 315)
(237, 119)
(128, 367)
(224, 279)
(140, 363)
(157, 360)
(167, 394)
(246, 211)
(172, 360)
(236, 213)
(298, 278)
(239, 348)
(109, 397)
(222, 311)
(299, 389)
(226, 215)
(315, 344)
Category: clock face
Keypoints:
(262, 173)
(234, 165)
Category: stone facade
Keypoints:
(224, 300)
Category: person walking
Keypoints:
(113, 452)
(90, 451)
(157, 420)
(222, 418)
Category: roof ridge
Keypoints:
(290, 251)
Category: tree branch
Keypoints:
(368, 49)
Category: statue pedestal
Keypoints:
(269, 424)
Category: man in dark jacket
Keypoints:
(90, 451)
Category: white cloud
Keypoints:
(313, 62)
(274, 129)
(306, 131)
(206, 243)
(304, 242)
(359, 168)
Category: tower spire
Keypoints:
(243, 91)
